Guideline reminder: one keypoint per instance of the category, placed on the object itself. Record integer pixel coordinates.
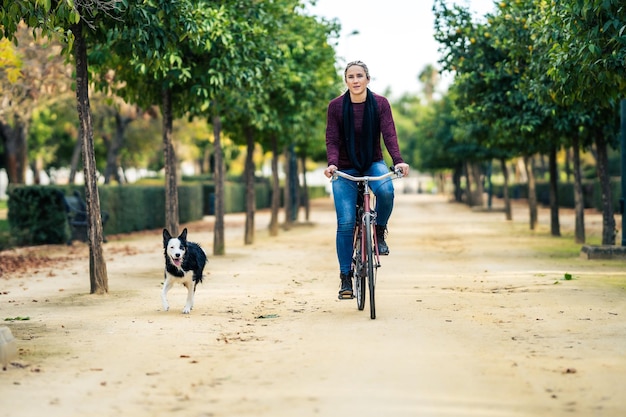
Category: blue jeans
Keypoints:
(345, 194)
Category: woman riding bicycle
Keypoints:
(355, 121)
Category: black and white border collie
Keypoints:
(181, 258)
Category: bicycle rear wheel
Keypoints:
(357, 270)
(369, 264)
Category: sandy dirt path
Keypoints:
(474, 319)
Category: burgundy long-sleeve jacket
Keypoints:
(336, 152)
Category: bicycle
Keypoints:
(365, 257)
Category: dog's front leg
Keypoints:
(167, 285)
(190, 293)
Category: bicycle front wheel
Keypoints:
(358, 270)
(369, 264)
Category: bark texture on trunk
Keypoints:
(532, 192)
(171, 184)
(555, 227)
(579, 203)
(250, 191)
(219, 245)
(609, 231)
(508, 213)
(273, 226)
(97, 265)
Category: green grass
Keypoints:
(618, 281)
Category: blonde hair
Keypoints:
(360, 64)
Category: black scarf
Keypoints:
(362, 158)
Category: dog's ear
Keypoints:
(166, 237)
(183, 235)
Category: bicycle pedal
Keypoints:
(346, 296)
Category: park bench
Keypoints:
(76, 209)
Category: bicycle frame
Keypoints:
(368, 212)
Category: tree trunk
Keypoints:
(37, 167)
(440, 183)
(78, 146)
(474, 184)
(568, 165)
(112, 171)
(273, 226)
(14, 142)
(489, 185)
(250, 191)
(294, 184)
(609, 229)
(304, 200)
(505, 191)
(206, 160)
(456, 180)
(555, 227)
(579, 203)
(21, 148)
(532, 191)
(469, 194)
(288, 190)
(480, 189)
(171, 184)
(97, 266)
(219, 246)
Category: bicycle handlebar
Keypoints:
(337, 173)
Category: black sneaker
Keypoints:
(381, 234)
(345, 292)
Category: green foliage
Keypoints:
(588, 37)
(288, 94)
(53, 132)
(36, 216)
(409, 114)
(267, 62)
(489, 60)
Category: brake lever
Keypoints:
(396, 171)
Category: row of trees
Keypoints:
(260, 74)
(259, 71)
(38, 112)
(533, 77)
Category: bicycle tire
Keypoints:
(357, 270)
(369, 264)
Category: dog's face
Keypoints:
(175, 247)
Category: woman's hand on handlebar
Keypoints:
(402, 167)
(330, 170)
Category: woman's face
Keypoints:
(356, 80)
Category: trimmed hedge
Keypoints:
(139, 207)
(235, 197)
(591, 193)
(616, 193)
(37, 215)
